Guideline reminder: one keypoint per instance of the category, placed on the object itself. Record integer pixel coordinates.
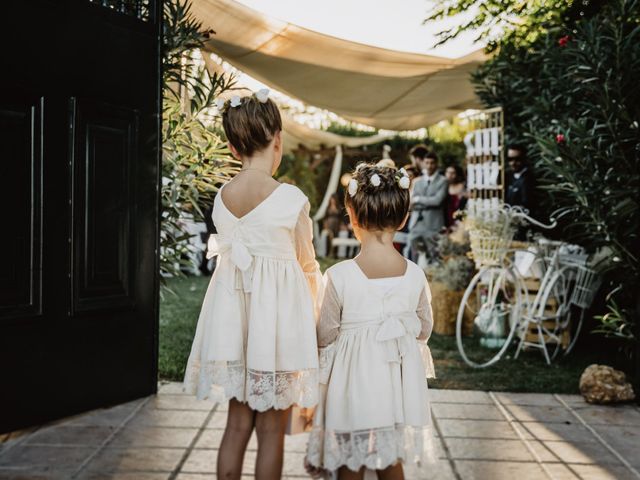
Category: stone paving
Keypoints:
(480, 436)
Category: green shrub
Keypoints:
(195, 159)
(571, 95)
(566, 74)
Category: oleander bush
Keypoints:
(195, 158)
(566, 75)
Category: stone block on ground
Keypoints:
(603, 384)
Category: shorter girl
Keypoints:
(374, 322)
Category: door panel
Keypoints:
(104, 157)
(79, 162)
(20, 132)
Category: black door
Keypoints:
(79, 169)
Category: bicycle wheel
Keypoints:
(494, 299)
(552, 310)
(574, 332)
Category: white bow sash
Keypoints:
(396, 331)
(240, 255)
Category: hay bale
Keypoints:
(445, 304)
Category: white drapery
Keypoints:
(374, 86)
(332, 187)
(294, 133)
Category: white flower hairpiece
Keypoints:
(402, 177)
(220, 104)
(262, 95)
(353, 187)
(236, 101)
(375, 180)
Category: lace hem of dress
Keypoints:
(262, 390)
(375, 449)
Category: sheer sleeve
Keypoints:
(426, 321)
(328, 328)
(425, 314)
(306, 254)
(330, 313)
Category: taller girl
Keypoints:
(255, 343)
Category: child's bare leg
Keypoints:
(394, 472)
(345, 474)
(237, 433)
(270, 428)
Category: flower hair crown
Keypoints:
(401, 177)
(223, 105)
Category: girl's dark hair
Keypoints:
(411, 170)
(459, 172)
(251, 126)
(378, 208)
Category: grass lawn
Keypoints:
(529, 373)
(178, 318)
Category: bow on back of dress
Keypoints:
(240, 256)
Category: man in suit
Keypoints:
(520, 184)
(520, 181)
(427, 204)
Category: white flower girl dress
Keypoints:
(256, 338)
(373, 371)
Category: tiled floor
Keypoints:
(481, 436)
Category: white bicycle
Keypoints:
(500, 304)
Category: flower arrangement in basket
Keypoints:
(490, 232)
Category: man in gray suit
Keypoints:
(427, 204)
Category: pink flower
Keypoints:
(560, 139)
(564, 40)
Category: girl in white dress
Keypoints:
(255, 343)
(374, 323)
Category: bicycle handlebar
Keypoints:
(533, 221)
(517, 211)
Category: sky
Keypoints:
(392, 24)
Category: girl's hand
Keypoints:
(307, 414)
(314, 472)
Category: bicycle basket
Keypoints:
(488, 248)
(588, 282)
(490, 234)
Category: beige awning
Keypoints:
(294, 133)
(374, 86)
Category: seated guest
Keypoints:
(333, 220)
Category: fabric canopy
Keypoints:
(295, 134)
(374, 86)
